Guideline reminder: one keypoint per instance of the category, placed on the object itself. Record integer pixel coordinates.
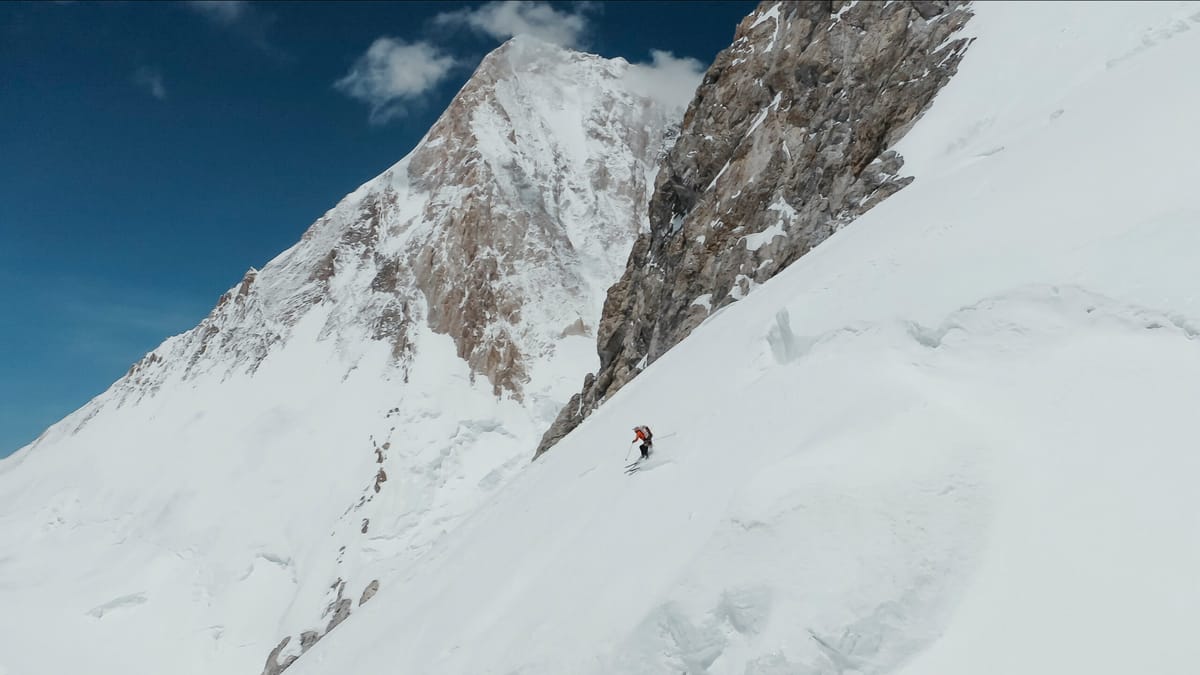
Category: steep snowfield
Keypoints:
(955, 438)
(251, 479)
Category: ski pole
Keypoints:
(629, 450)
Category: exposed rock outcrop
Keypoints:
(309, 638)
(338, 611)
(786, 141)
(341, 610)
(274, 666)
(369, 592)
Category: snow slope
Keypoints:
(253, 479)
(954, 438)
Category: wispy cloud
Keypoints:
(160, 317)
(107, 324)
(241, 18)
(670, 80)
(506, 18)
(393, 74)
(119, 307)
(151, 79)
(225, 12)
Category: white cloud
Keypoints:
(504, 19)
(251, 23)
(393, 73)
(226, 12)
(669, 80)
(151, 80)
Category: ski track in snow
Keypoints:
(117, 604)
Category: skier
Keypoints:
(643, 434)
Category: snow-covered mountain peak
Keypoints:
(532, 184)
(528, 53)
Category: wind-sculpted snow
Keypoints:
(833, 527)
(1052, 309)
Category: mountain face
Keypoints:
(529, 186)
(245, 487)
(787, 140)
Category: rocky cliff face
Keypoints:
(785, 142)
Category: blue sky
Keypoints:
(151, 152)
